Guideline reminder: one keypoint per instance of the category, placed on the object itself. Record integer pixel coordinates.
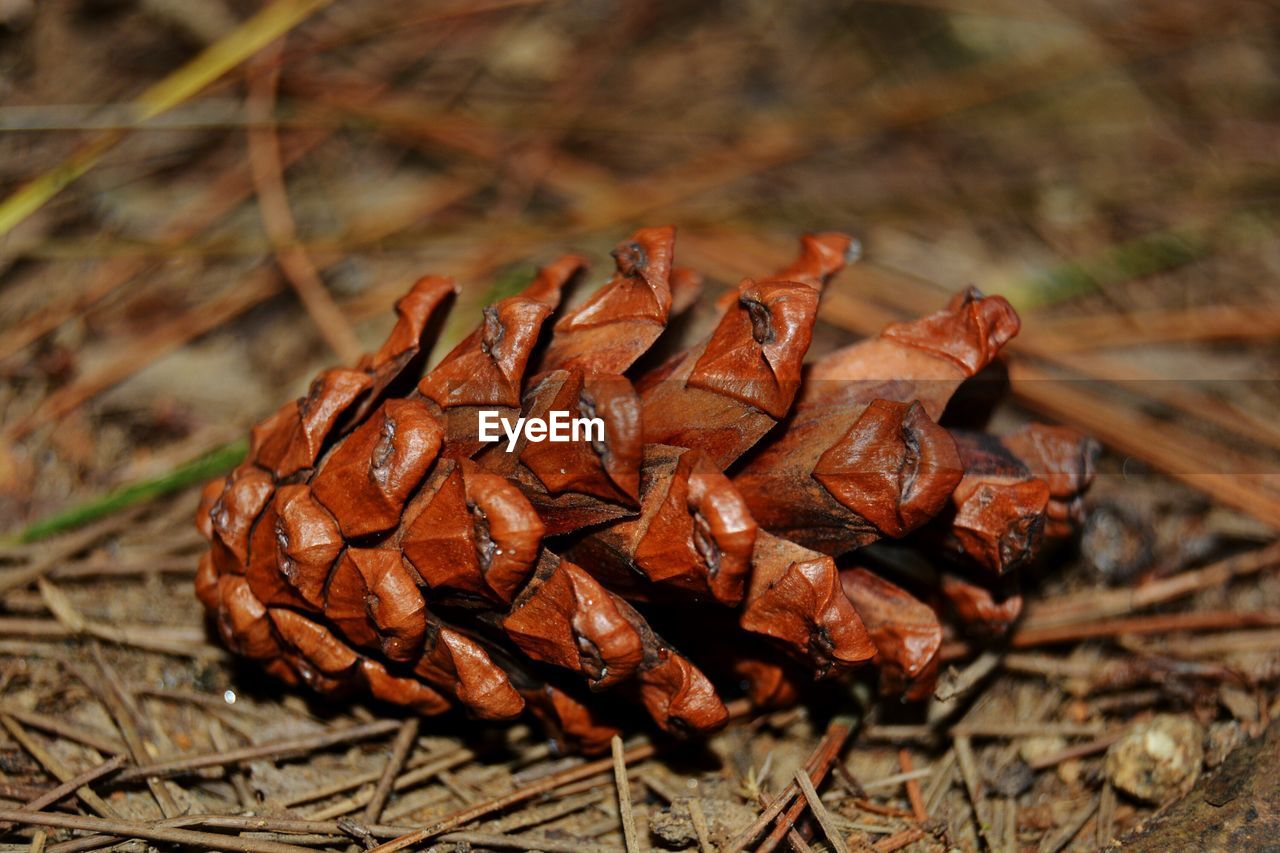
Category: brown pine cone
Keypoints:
(378, 539)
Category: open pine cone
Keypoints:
(372, 542)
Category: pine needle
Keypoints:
(188, 474)
(210, 64)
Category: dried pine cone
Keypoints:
(373, 542)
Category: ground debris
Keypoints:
(1236, 807)
(674, 827)
(1159, 759)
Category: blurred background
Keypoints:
(207, 201)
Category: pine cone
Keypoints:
(373, 542)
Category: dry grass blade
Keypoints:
(216, 60)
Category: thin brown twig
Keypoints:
(54, 767)
(218, 736)
(624, 795)
(973, 786)
(817, 766)
(416, 770)
(223, 194)
(273, 205)
(400, 749)
(134, 829)
(899, 840)
(1071, 827)
(819, 810)
(1078, 751)
(50, 556)
(918, 809)
(1096, 604)
(279, 749)
(700, 829)
(1203, 620)
(522, 842)
(71, 786)
(120, 707)
(528, 792)
(100, 741)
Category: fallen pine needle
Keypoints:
(206, 67)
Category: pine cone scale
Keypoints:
(375, 543)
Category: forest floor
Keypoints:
(1110, 170)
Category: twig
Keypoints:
(1077, 751)
(419, 769)
(54, 767)
(624, 796)
(583, 771)
(217, 734)
(1097, 604)
(973, 785)
(1106, 814)
(1213, 468)
(1202, 620)
(71, 786)
(188, 641)
(399, 752)
(898, 778)
(55, 553)
(280, 749)
(819, 810)
(899, 840)
(918, 809)
(535, 815)
(130, 829)
(940, 782)
(1062, 836)
(125, 715)
(521, 842)
(1005, 731)
(273, 205)
(817, 766)
(953, 684)
(700, 826)
(414, 777)
(99, 741)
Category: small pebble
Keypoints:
(1158, 760)
(1118, 542)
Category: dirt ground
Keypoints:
(224, 200)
